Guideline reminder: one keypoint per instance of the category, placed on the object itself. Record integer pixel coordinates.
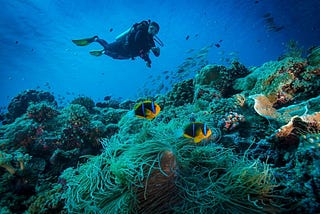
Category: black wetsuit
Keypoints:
(137, 42)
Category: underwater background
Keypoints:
(227, 119)
(36, 47)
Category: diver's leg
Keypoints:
(110, 49)
(102, 42)
(106, 52)
(114, 55)
(117, 51)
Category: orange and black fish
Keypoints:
(197, 131)
(147, 109)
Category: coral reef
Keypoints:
(48, 201)
(55, 138)
(21, 102)
(5, 160)
(283, 82)
(262, 155)
(42, 112)
(220, 77)
(86, 102)
(167, 176)
(314, 56)
(182, 93)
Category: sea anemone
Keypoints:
(158, 173)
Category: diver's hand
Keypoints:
(148, 64)
(156, 51)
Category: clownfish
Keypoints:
(147, 109)
(197, 131)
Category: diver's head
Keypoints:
(153, 28)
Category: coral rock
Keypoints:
(21, 102)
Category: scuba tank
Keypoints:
(131, 29)
(123, 34)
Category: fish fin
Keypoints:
(197, 139)
(187, 136)
(139, 116)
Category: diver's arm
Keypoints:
(156, 51)
(145, 57)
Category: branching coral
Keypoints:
(5, 160)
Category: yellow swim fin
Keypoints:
(97, 53)
(84, 42)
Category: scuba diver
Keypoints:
(136, 41)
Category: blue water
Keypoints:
(37, 52)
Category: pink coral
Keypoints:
(231, 121)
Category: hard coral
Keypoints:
(22, 101)
(283, 82)
(231, 121)
(313, 120)
(264, 107)
(42, 112)
(5, 160)
(20, 133)
(290, 134)
(295, 69)
(314, 56)
(87, 102)
(77, 115)
(283, 99)
(182, 93)
(220, 77)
